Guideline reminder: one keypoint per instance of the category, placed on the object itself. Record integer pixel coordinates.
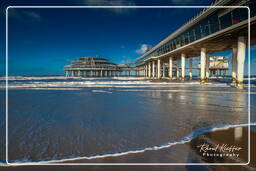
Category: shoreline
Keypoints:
(184, 150)
(225, 135)
(187, 146)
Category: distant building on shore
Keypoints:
(99, 67)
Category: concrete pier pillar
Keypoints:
(163, 70)
(207, 65)
(79, 73)
(146, 70)
(234, 64)
(183, 63)
(170, 67)
(241, 51)
(202, 65)
(177, 70)
(158, 68)
(66, 73)
(153, 69)
(149, 69)
(190, 68)
(73, 73)
(91, 74)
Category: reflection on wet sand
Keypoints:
(99, 122)
(54, 125)
(190, 152)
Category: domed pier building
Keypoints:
(100, 67)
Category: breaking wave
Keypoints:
(17, 82)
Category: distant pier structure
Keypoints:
(218, 66)
(100, 67)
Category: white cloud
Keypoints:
(126, 60)
(24, 15)
(143, 48)
(110, 3)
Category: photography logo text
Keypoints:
(219, 150)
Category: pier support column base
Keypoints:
(190, 76)
(202, 81)
(234, 80)
(240, 85)
(182, 78)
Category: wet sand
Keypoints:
(188, 152)
(168, 113)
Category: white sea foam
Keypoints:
(118, 82)
(186, 139)
(101, 91)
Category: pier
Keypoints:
(212, 30)
(100, 67)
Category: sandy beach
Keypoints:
(119, 120)
(188, 152)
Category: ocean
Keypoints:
(54, 118)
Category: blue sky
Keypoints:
(42, 41)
